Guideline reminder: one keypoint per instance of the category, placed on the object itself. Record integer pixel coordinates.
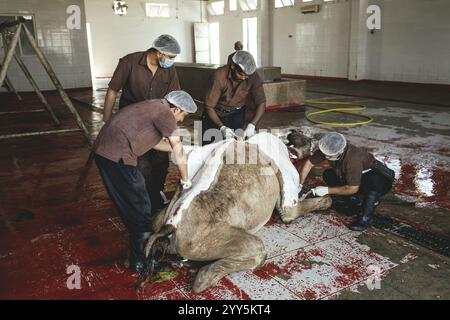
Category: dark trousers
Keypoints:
(126, 187)
(154, 166)
(371, 181)
(233, 120)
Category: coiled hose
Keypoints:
(354, 110)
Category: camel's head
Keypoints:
(300, 142)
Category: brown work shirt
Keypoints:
(228, 94)
(230, 58)
(134, 130)
(351, 166)
(138, 83)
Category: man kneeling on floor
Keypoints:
(356, 182)
(129, 134)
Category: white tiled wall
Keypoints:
(413, 44)
(66, 50)
(115, 36)
(314, 44)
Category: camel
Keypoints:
(220, 223)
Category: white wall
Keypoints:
(115, 36)
(413, 44)
(319, 45)
(66, 50)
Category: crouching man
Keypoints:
(356, 182)
(129, 134)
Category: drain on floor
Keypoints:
(424, 238)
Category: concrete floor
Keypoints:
(54, 212)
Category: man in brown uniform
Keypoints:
(225, 100)
(145, 76)
(129, 134)
(357, 180)
(238, 46)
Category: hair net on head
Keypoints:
(244, 59)
(166, 44)
(182, 100)
(332, 143)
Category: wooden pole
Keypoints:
(9, 54)
(57, 83)
(34, 84)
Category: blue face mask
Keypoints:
(166, 64)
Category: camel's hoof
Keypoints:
(204, 280)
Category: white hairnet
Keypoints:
(182, 100)
(244, 59)
(332, 143)
(167, 44)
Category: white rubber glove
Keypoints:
(320, 191)
(249, 131)
(227, 133)
(186, 184)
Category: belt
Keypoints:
(222, 110)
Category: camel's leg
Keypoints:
(305, 207)
(240, 251)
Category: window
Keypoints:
(250, 36)
(207, 41)
(233, 5)
(24, 47)
(214, 43)
(157, 10)
(284, 3)
(216, 8)
(248, 5)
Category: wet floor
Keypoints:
(54, 212)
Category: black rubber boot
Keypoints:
(137, 245)
(370, 202)
(349, 206)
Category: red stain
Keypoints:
(272, 221)
(271, 269)
(262, 275)
(284, 107)
(54, 212)
(430, 185)
(235, 290)
(309, 294)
